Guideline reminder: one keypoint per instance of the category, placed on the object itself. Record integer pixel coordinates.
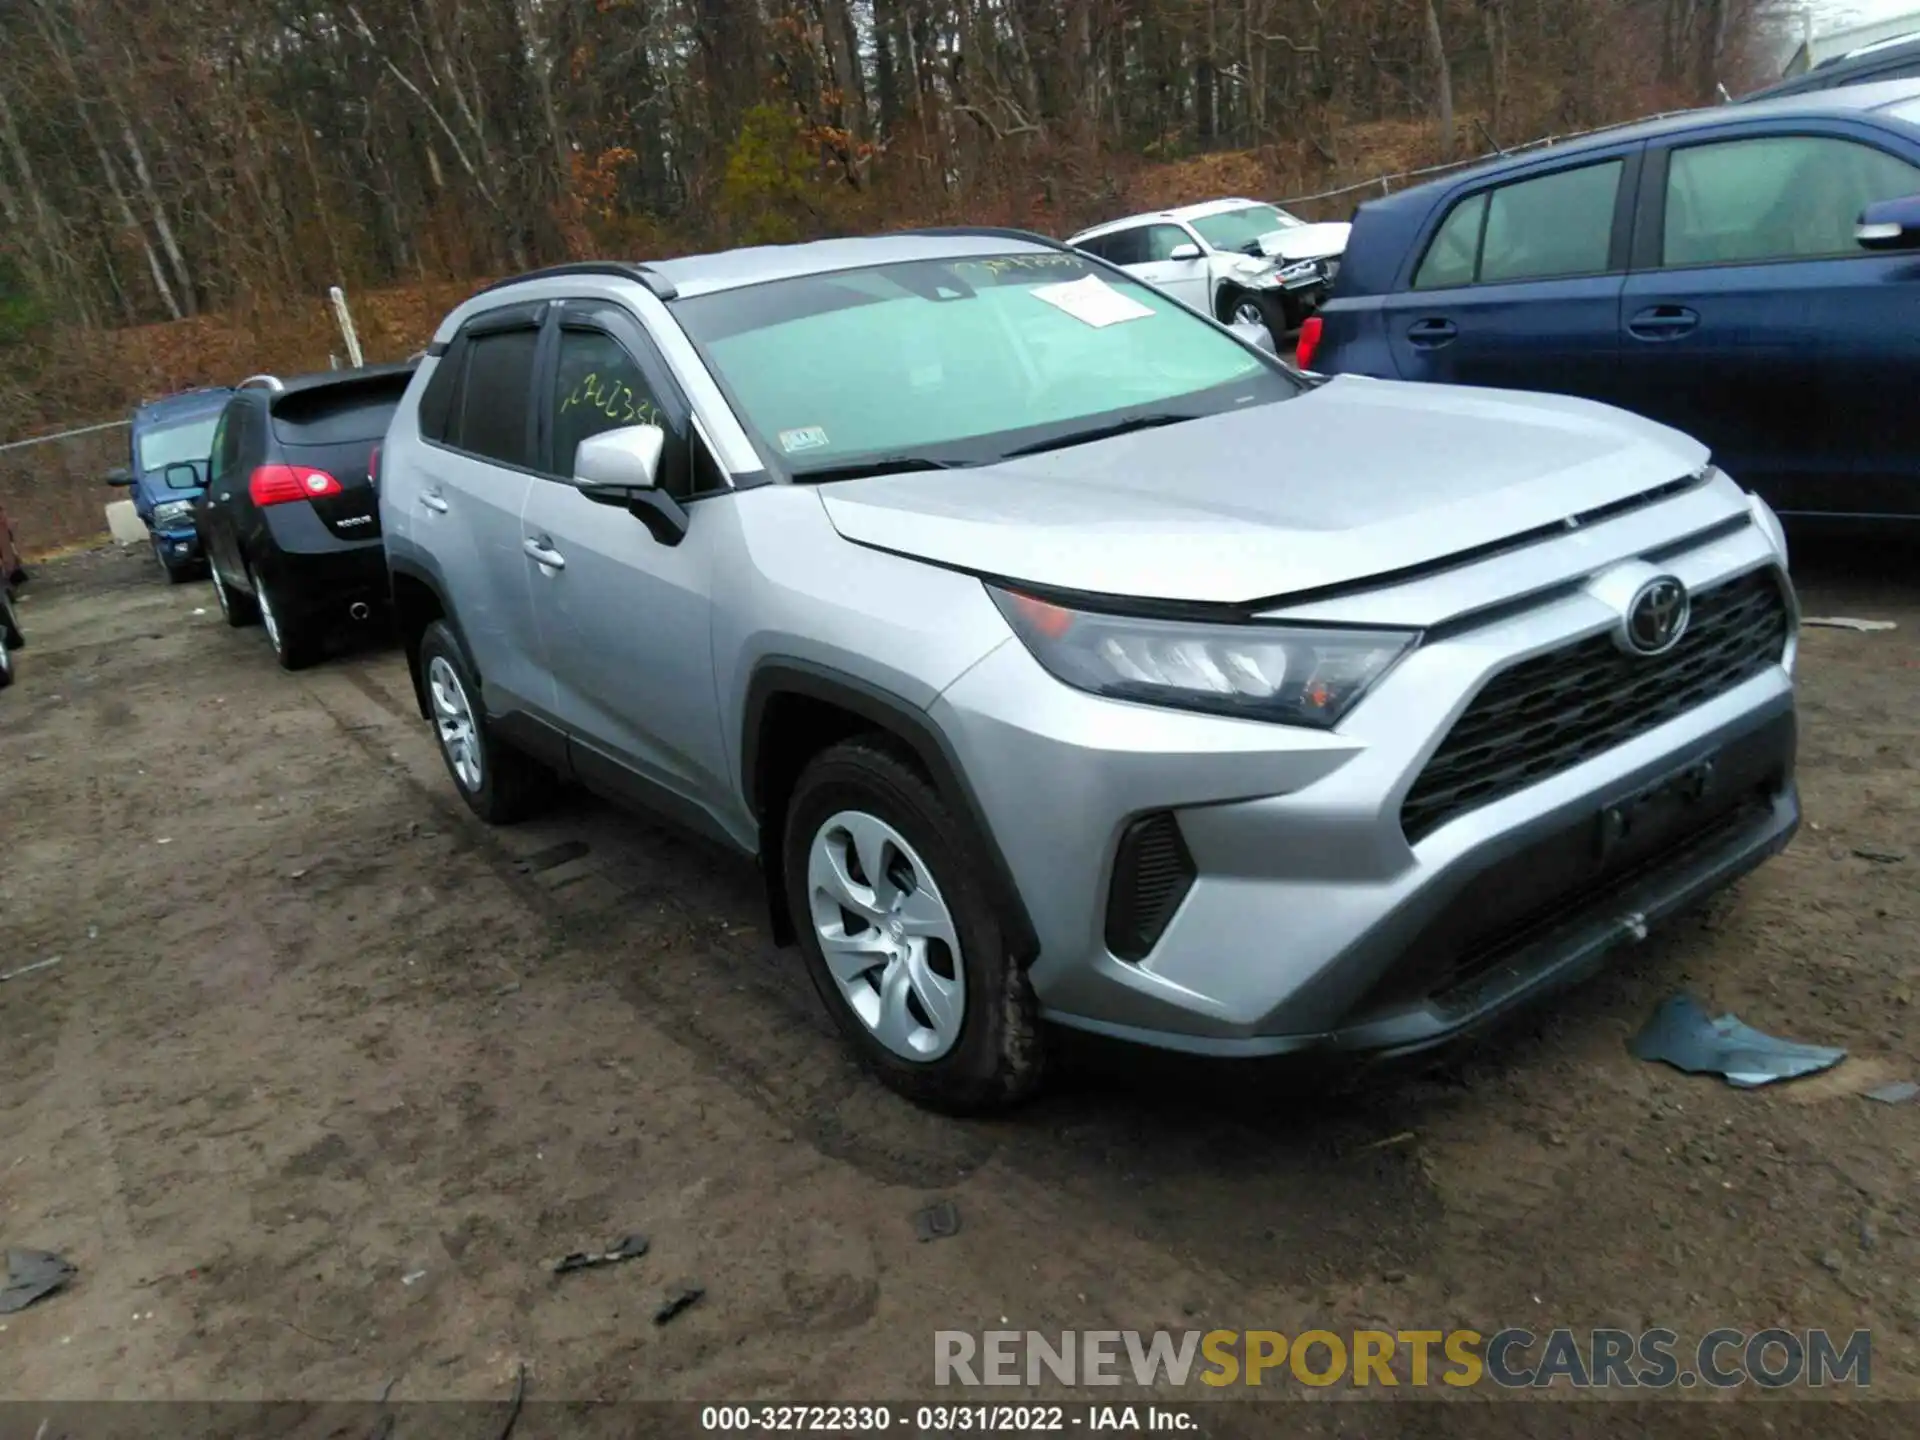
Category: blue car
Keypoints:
(1749, 274)
(170, 444)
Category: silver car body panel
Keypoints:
(1361, 502)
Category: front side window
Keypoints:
(1125, 247)
(962, 362)
(598, 387)
(492, 422)
(1241, 229)
(1775, 197)
(221, 447)
(1163, 240)
(182, 442)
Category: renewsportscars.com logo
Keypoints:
(1512, 1359)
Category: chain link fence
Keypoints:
(53, 488)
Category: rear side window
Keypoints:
(1125, 247)
(1775, 197)
(437, 401)
(495, 400)
(1557, 225)
(1455, 252)
(1540, 229)
(352, 410)
(226, 443)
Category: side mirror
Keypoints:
(119, 475)
(1890, 225)
(1257, 335)
(622, 467)
(182, 475)
(1184, 251)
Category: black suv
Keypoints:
(290, 522)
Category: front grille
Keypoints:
(1558, 710)
(1152, 873)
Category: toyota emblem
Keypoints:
(1656, 617)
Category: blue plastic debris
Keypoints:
(1682, 1034)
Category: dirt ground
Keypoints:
(328, 1072)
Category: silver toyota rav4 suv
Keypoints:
(1061, 656)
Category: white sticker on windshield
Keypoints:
(811, 437)
(1092, 302)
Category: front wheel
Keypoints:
(889, 895)
(1271, 311)
(499, 783)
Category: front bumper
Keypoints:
(177, 545)
(1312, 921)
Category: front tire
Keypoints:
(1247, 308)
(888, 890)
(499, 783)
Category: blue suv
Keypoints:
(170, 444)
(1748, 274)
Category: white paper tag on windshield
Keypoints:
(1092, 301)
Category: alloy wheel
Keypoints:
(1248, 313)
(453, 722)
(887, 935)
(267, 617)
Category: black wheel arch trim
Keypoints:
(911, 725)
(428, 574)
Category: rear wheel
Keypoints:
(236, 609)
(295, 641)
(499, 783)
(888, 891)
(9, 641)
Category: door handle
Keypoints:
(431, 499)
(545, 554)
(1663, 322)
(1432, 334)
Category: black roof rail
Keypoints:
(662, 288)
(990, 232)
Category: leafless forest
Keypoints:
(159, 162)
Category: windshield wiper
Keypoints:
(1100, 432)
(880, 465)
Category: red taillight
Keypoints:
(373, 467)
(277, 484)
(1309, 341)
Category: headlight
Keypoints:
(172, 512)
(1288, 675)
(1255, 274)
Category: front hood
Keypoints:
(1354, 479)
(1307, 242)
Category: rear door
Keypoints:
(227, 506)
(478, 419)
(627, 620)
(1754, 322)
(1518, 285)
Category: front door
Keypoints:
(1188, 279)
(626, 620)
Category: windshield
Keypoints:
(185, 440)
(1239, 229)
(963, 361)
